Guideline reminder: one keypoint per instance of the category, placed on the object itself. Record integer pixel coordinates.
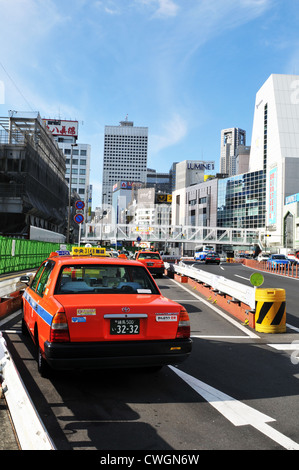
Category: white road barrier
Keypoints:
(29, 428)
(240, 292)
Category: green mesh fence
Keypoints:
(18, 254)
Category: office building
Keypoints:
(125, 156)
(190, 172)
(275, 148)
(230, 140)
(66, 134)
(241, 201)
(122, 197)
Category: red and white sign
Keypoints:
(63, 128)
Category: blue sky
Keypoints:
(183, 68)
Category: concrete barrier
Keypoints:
(237, 299)
(29, 428)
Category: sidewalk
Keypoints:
(8, 439)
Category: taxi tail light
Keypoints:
(59, 328)
(183, 330)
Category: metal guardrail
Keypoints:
(236, 290)
(10, 285)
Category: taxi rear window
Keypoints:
(149, 256)
(104, 279)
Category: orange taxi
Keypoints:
(93, 312)
(152, 260)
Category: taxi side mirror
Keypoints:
(25, 279)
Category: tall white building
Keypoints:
(125, 156)
(275, 147)
(231, 139)
(66, 134)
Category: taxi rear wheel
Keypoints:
(42, 365)
(25, 331)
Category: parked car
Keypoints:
(278, 260)
(293, 259)
(263, 257)
(212, 258)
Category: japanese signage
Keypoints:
(122, 185)
(62, 128)
(88, 251)
(272, 195)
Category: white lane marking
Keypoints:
(17, 332)
(235, 411)
(11, 317)
(285, 347)
(222, 314)
(292, 327)
(219, 337)
(242, 277)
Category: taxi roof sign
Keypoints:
(88, 251)
(62, 252)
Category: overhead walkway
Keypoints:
(171, 234)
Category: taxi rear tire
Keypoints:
(25, 331)
(42, 365)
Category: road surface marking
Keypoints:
(222, 314)
(285, 347)
(235, 411)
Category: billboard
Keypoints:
(58, 127)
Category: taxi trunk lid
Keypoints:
(109, 317)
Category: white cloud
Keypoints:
(173, 132)
(166, 8)
(161, 8)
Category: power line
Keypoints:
(16, 87)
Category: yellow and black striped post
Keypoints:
(270, 310)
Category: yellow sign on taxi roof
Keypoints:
(88, 251)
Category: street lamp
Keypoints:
(70, 191)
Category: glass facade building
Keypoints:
(242, 201)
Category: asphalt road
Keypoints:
(238, 390)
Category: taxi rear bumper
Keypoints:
(63, 356)
(159, 270)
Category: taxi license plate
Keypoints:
(125, 326)
(150, 264)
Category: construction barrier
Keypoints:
(270, 311)
(18, 254)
